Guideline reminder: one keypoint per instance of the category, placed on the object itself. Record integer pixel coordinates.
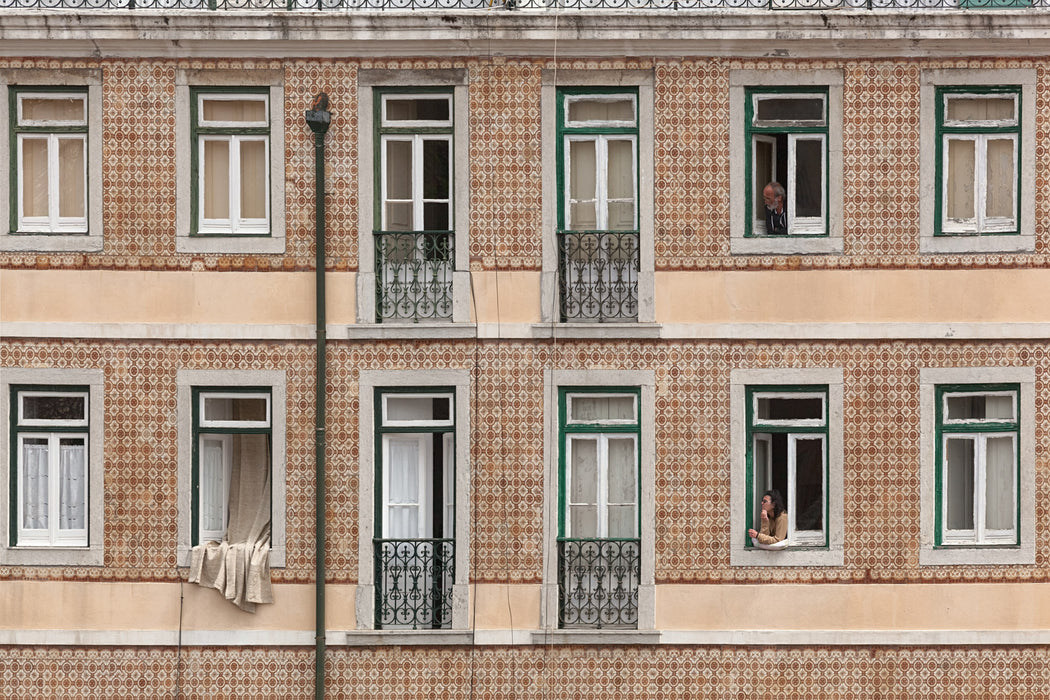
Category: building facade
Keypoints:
(566, 353)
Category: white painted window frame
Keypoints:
(601, 197)
(929, 81)
(740, 210)
(92, 551)
(87, 237)
(972, 554)
(832, 554)
(980, 534)
(271, 240)
(602, 487)
(186, 380)
(417, 199)
(456, 81)
(368, 382)
(553, 380)
(981, 223)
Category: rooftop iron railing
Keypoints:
(414, 583)
(598, 583)
(401, 5)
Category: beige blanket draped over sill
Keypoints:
(239, 566)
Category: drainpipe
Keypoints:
(318, 118)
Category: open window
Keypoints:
(414, 547)
(787, 143)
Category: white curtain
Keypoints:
(622, 472)
(72, 472)
(961, 167)
(239, 566)
(34, 485)
(583, 173)
(1000, 178)
(403, 477)
(583, 488)
(999, 483)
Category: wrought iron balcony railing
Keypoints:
(598, 583)
(598, 278)
(414, 583)
(413, 275)
(399, 5)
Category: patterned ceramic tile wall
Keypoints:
(530, 673)
(880, 141)
(692, 449)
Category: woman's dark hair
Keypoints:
(778, 502)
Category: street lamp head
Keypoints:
(318, 117)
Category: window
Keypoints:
(976, 163)
(598, 534)
(787, 142)
(229, 151)
(415, 520)
(598, 212)
(54, 485)
(977, 466)
(787, 435)
(232, 460)
(414, 481)
(53, 154)
(414, 242)
(231, 486)
(786, 128)
(231, 162)
(788, 441)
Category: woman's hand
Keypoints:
(765, 515)
(752, 532)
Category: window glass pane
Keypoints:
(34, 176)
(71, 177)
(34, 484)
(39, 407)
(72, 484)
(783, 109)
(233, 110)
(435, 216)
(590, 110)
(583, 471)
(1000, 178)
(959, 476)
(417, 109)
(622, 521)
(216, 179)
(809, 177)
(622, 471)
(235, 409)
(417, 408)
(588, 409)
(980, 407)
(403, 486)
(788, 408)
(584, 521)
(764, 154)
(960, 173)
(213, 476)
(253, 179)
(399, 215)
(583, 185)
(435, 169)
(55, 109)
(999, 482)
(621, 185)
(809, 484)
(979, 109)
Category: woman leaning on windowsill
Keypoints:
(774, 519)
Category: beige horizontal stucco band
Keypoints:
(78, 612)
(862, 304)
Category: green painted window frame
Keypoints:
(942, 130)
(750, 131)
(199, 430)
(197, 131)
(382, 429)
(564, 130)
(16, 428)
(1001, 427)
(565, 429)
(16, 129)
(754, 426)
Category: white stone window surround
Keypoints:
(739, 80)
(228, 244)
(930, 80)
(644, 80)
(739, 555)
(186, 380)
(368, 382)
(929, 379)
(553, 380)
(93, 554)
(56, 243)
(456, 80)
